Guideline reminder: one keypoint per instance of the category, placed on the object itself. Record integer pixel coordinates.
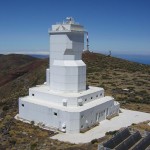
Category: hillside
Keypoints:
(128, 82)
(19, 72)
(11, 67)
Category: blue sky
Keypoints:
(122, 26)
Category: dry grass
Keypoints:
(143, 126)
(114, 75)
(110, 73)
(137, 107)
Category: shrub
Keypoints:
(32, 122)
(33, 146)
(111, 132)
(5, 108)
(133, 124)
(12, 141)
(94, 141)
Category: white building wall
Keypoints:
(48, 117)
(53, 117)
(66, 77)
(64, 100)
(58, 44)
(73, 125)
(47, 77)
(67, 45)
(72, 100)
(89, 116)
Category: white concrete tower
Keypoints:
(63, 102)
(67, 70)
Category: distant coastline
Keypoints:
(142, 59)
(39, 56)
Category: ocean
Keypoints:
(142, 59)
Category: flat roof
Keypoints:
(67, 108)
(46, 89)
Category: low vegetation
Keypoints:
(128, 82)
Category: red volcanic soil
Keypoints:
(89, 56)
(14, 66)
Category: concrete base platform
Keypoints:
(46, 94)
(125, 119)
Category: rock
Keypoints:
(24, 133)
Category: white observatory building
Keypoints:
(64, 102)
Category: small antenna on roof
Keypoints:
(70, 20)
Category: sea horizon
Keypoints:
(137, 58)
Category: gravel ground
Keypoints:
(126, 118)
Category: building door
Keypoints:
(102, 115)
(97, 117)
(106, 112)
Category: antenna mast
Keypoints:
(87, 41)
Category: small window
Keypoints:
(96, 95)
(85, 100)
(82, 116)
(32, 94)
(101, 94)
(55, 113)
(22, 105)
(81, 126)
(91, 97)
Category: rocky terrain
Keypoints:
(128, 82)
